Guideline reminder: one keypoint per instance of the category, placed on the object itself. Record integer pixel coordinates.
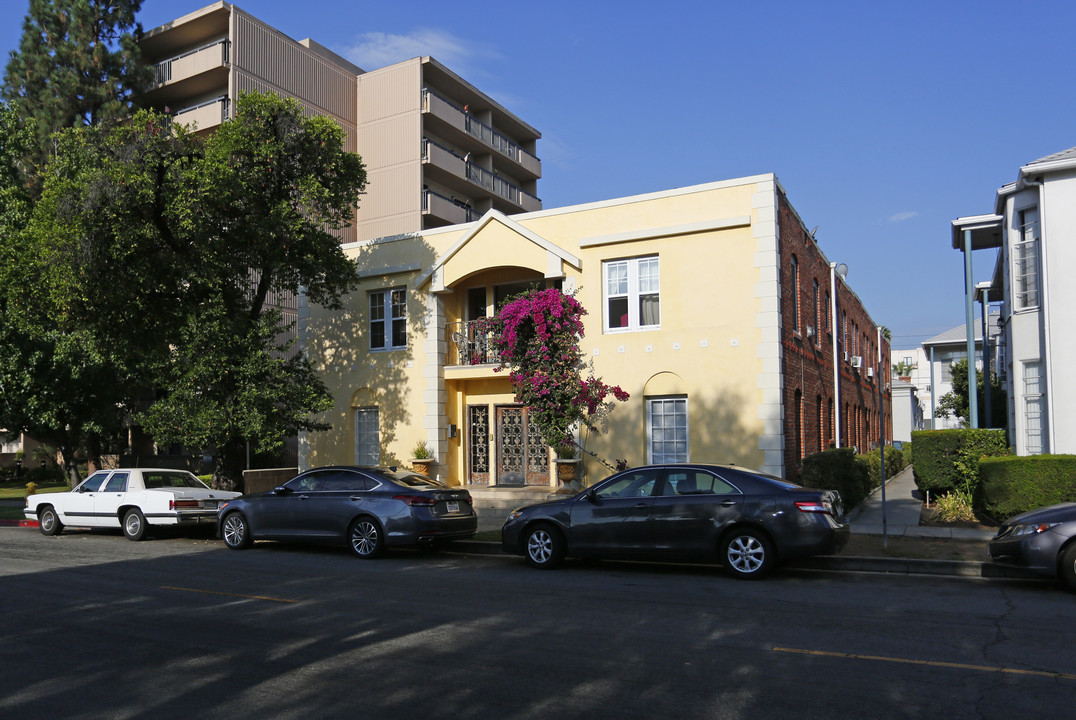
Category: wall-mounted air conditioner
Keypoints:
(810, 331)
(846, 356)
(857, 361)
(870, 372)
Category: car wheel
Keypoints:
(235, 532)
(365, 538)
(134, 524)
(747, 554)
(544, 547)
(49, 521)
(1067, 570)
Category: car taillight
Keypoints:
(416, 500)
(173, 504)
(815, 506)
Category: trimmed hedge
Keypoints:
(1013, 485)
(838, 470)
(894, 463)
(948, 460)
(906, 448)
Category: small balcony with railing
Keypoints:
(446, 210)
(206, 58)
(205, 115)
(453, 168)
(454, 116)
(470, 346)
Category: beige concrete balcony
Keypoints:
(447, 210)
(188, 65)
(205, 116)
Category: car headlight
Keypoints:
(1033, 529)
(515, 515)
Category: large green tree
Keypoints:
(78, 63)
(956, 401)
(173, 252)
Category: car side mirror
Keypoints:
(281, 490)
(592, 497)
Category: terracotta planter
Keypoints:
(566, 470)
(422, 466)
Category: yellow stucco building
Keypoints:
(683, 292)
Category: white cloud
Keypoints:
(902, 216)
(374, 50)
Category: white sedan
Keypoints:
(129, 498)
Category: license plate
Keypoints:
(452, 507)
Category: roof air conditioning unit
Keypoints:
(857, 361)
(870, 372)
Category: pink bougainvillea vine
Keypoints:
(537, 336)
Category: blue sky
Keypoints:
(883, 121)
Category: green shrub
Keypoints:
(953, 507)
(894, 463)
(838, 470)
(1013, 485)
(906, 450)
(948, 460)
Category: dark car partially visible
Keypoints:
(366, 508)
(1042, 541)
(746, 520)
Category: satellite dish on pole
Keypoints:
(842, 270)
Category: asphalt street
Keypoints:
(96, 626)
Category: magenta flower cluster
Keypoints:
(538, 335)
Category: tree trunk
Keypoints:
(228, 466)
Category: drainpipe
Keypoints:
(836, 360)
(969, 331)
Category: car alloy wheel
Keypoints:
(49, 522)
(366, 540)
(544, 547)
(134, 525)
(234, 531)
(747, 554)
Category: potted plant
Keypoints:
(422, 458)
(566, 462)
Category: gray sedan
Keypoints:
(366, 508)
(747, 520)
(1042, 540)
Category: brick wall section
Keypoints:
(807, 353)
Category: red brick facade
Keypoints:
(810, 409)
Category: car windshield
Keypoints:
(409, 479)
(172, 480)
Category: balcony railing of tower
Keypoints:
(468, 211)
(468, 345)
(162, 71)
(480, 176)
(224, 107)
(481, 131)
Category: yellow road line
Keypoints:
(215, 592)
(931, 663)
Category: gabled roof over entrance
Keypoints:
(497, 241)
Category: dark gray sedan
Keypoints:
(366, 508)
(1043, 541)
(747, 520)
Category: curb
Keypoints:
(844, 564)
(19, 523)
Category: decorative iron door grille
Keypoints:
(522, 457)
(478, 443)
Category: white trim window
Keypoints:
(1025, 253)
(367, 436)
(632, 294)
(667, 430)
(1034, 404)
(388, 319)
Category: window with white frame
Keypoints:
(1034, 404)
(367, 436)
(1025, 253)
(666, 430)
(388, 319)
(632, 293)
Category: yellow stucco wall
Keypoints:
(705, 347)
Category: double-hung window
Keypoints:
(388, 319)
(632, 290)
(666, 430)
(1025, 254)
(367, 436)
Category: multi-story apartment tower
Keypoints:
(438, 151)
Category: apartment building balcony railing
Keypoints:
(442, 157)
(208, 114)
(447, 110)
(468, 345)
(451, 210)
(193, 62)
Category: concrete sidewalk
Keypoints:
(901, 517)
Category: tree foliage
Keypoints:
(175, 253)
(78, 63)
(956, 402)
